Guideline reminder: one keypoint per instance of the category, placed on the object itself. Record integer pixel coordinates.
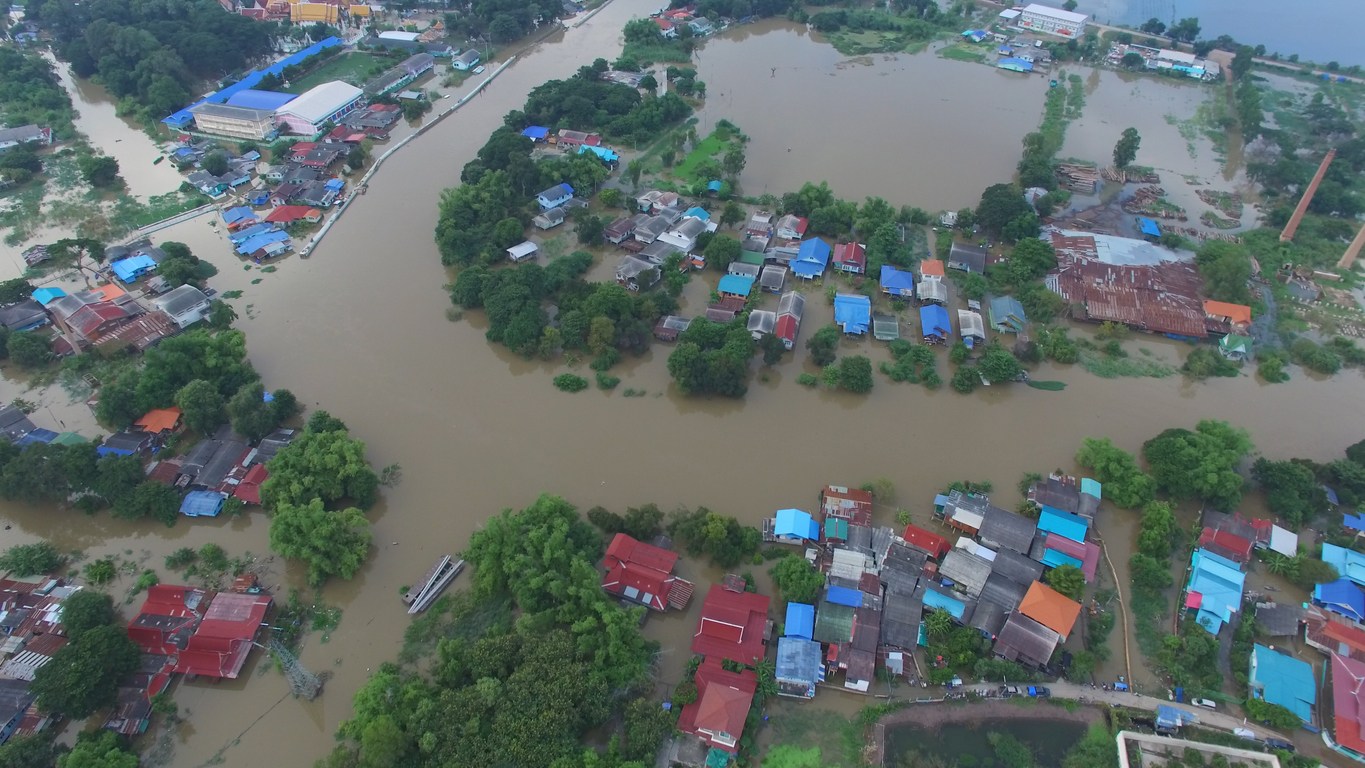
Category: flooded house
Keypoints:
(760, 225)
(684, 236)
(1025, 641)
(523, 251)
(202, 633)
(554, 197)
(799, 663)
(966, 571)
(552, 218)
(735, 286)
(1007, 315)
(623, 227)
(185, 305)
(790, 309)
(972, 327)
(635, 273)
(812, 258)
(718, 714)
(643, 574)
(1214, 589)
(968, 258)
(670, 326)
(791, 227)
(761, 323)
(773, 278)
(896, 283)
(1002, 529)
(850, 258)
(1278, 678)
(649, 230)
(937, 329)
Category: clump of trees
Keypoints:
(83, 675)
(712, 358)
(720, 537)
(1126, 485)
(32, 559)
(640, 523)
(1201, 464)
(797, 579)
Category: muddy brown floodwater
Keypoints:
(360, 330)
(917, 130)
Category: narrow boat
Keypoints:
(158, 159)
(422, 594)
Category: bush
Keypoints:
(607, 382)
(1204, 362)
(807, 380)
(966, 380)
(31, 559)
(855, 374)
(568, 382)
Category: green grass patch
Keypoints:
(1049, 386)
(652, 52)
(711, 146)
(1107, 367)
(962, 52)
(354, 68)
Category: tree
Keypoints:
(1291, 490)
(215, 162)
(999, 365)
(99, 171)
(722, 251)
(589, 229)
(1022, 227)
(32, 559)
(1186, 30)
(1082, 665)
(1225, 268)
(1133, 60)
(1069, 5)
(28, 349)
(1148, 573)
(28, 752)
(611, 197)
(1127, 485)
(15, 290)
(85, 610)
(1200, 464)
(966, 379)
(1000, 204)
(202, 406)
(939, 623)
(649, 84)
(329, 543)
(824, 345)
(772, 348)
(83, 675)
(328, 465)
(1153, 26)
(356, 157)
(733, 162)
(1127, 147)
(958, 353)
(101, 749)
(797, 579)
(150, 499)
(1068, 580)
(855, 374)
(221, 315)
(966, 219)
(504, 28)
(252, 417)
(731, 214)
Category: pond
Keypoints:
(911, 746)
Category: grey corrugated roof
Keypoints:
(1016, 567)
(1002, 528)
(965, 570)
(1054, 493)
(230, 112)
(222, 462)
(860, 538)
(1279, 620)
(1004, 592)
(989, 618)
(867, 629)
(1024, 640)
(14, 699)
(180, 300)
(798, 660)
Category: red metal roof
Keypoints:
(249, 490)
(1087, 552)
(625, 549)
(91, 318)
(786, 327)
(1348, 702)
(644, 568)
(921, 539)
(732, 625)
(850, 253)
(722, 704)
(1227, 544)
(204, 634)
(290, 213)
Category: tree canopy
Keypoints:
(83, 675)
(1000, 204)
(1201, 464)
(320, 465)
(1291, 490)
(331, 543)
(797, 579)
(1125, 484)
(712, 358)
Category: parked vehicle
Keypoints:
(1205, 703)
(1009, 690)
(1039, 691)
(1279, 744)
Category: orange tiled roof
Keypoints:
(1239, 314)
(931, 267)
(159, 420)
(1050, 608)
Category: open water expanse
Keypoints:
(360, 329)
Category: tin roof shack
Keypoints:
(1284, 680)
(1004, 529)
(733, 626)
(850, 504)
(669, 326)
(965, 513)
(1122, 280)
(721, 707)
(965, 570)
(968, 258)
(14, 702)
(133, 706)
(203, 633)
(1050, 608)
(799, 667)
(643, 574)
(1026, 641)
(901, 617)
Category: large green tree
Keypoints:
(98, 749)
(1291, 490)
(83, 675)
(1201, 464)
(202, 405)
(1127, 147)
(252, 417)
(330, 543)
(1000, 204)
(797, 580)
(324, 465)
(85, 610)
(999, 365)
(1068, 580)
(1125, 484)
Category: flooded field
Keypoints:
(917, 130)
(967, 743)
(360, 329)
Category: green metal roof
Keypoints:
(836, 528)
(751, 257)
(717, 758)
(69, 438)
(834, 623)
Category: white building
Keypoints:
(406, 37)
(326, 103)
(1053, 21)
(185, 305)
(234, 122)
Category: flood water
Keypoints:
(916, 130)
(360, 329)
(967, 743)
(1317, 30)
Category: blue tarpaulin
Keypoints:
(133, 267)
(800, 620)
(1170, 717)
(934, 319)
(845, 596)
(536, 132)
(1148, 227)
(852, 312)
(202, 504)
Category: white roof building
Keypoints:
(1054, 21)
(319, 105)
(408, 37)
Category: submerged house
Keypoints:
(811, 259)
(721, 708)
(896, 283)
(799, 667)
(936, 325)
(733, 626)
(1214, 590)
(852, 313)
(555, 196)
(643, 574)
(1007, 315)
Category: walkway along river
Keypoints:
(360, 329)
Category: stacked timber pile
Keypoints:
(1149, 201)
(1199, 234)
(1078, 178)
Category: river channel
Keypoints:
(360, 329)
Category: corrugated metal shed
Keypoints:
(965, 570)
(1026, 641)
(1017, 567)
(1003, 592)
(989, 618)
(901, 616)
(1003, 529)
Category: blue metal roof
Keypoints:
(1018, 65)
(267, 100)
(1148, 227)
(250, 232)
(36, 436)
(1349, 563)
(800, 620)
(536, 132)
(697, 212)
(259, 197)
(713, 186)
(334, 184)
(1063, 524)
(258, 242)
(793, 523)
(1341, 596)
(812, 252)
(45, 296)
(607, 155)
(1052, 558)
(556, 192)
(202, 504)
(1332, 495)
(1170, 717)
(1283, 680)
(852, 312)
(897, 280)
(934, 599)
(183, 117)
(1219, 581)
(234, 215)
(133, 267)
(844, 596)
(934, 319)
(736, 284)
(1355, 522)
